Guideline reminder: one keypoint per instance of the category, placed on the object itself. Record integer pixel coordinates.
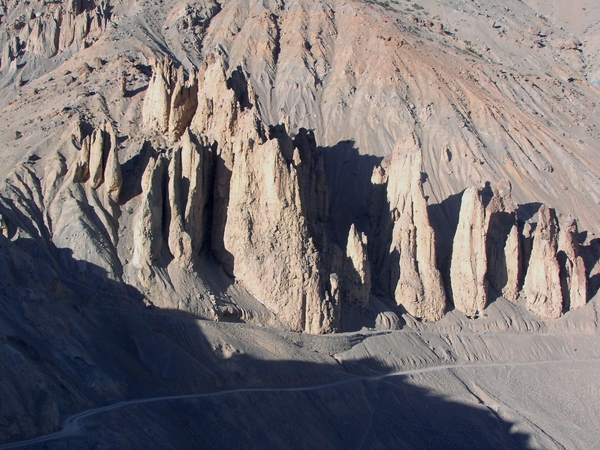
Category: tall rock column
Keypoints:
(267, 235)
(572, 266)
(357, 269)
(112, 172)
(469, 263)
(148, 237)
(419, 288)
(157, 102)
(96, 167)
(542, 288)
(265, 196)
(196, 164)
(184, 102)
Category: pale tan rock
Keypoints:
(123, 84)
(358, 277)
(573, 274)
(184, 102)
(196, 166)
(10, 51)
(513, 262)
(97, 156)
(218, 110)
(148, 235)
(82, 169)
(43, 38)
(112, 173)
(502, 244)
(542, 287)
(267, 196)
(469, 262)
(267, 236)
(419, 289)
(157, 103)
(378, 176)
(179, 241)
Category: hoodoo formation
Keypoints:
(305, 167)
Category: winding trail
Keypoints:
(72, 427)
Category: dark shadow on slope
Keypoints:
(220, 206)
(528, 210)
(591, 258)
(444, 217)
(92, 342)
(351, 191)
(239, 85)
(133, 92)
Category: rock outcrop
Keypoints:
(184, 102)
(357, 269)
(268, 238)
(97, 156)
(112, 171)
(419, 290)
(503, 250)
(542, 287)
(469, 262)
(171, 99)
(572, 267)
(148, 236)
(99, 161)
(157, 102)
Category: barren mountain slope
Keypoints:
(298, 168)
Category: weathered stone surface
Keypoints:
(419, 288)
(513, 264)
(358, 270)
(148, 235)
(82, 169)
(469, 262)
(184, 102)
(179, 241)
(267, 236)
(572, 267)
(196, 173)
(502, 244)
(157, 103)
(542, 288)
(112, 173)
(96, 156)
